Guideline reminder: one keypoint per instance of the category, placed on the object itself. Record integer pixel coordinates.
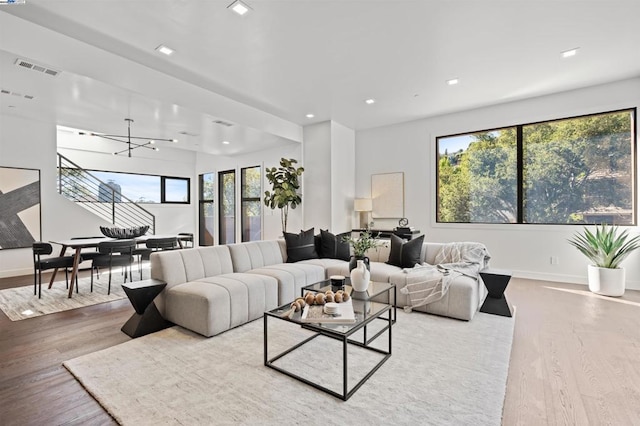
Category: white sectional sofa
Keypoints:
(212, 289)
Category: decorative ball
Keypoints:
(301, 302)
(345, 297)
(338, 298)
(329, 297)
(310, 298)
(320, 300)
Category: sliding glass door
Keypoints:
(206, 221)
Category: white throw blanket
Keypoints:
(428, 283)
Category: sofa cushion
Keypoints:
(333, 246)
(291, 278)
(380, 271)
(256, 254)
(405, 254)
(300, 246)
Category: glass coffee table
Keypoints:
(366, 311)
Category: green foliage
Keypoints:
(570, 167)
(361, 244)
(285, 185)
(605, 248)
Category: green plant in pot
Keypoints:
(285, 184)
(360, 246)
(606, 248)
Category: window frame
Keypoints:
(520, 169)
(163, 189)
(221, 216)
(244, 199)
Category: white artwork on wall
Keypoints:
(387, 193)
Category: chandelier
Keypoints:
(132, 144)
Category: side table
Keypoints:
(147, 318)
(496, 281)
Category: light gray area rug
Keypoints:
(442, 372)
(19, 303)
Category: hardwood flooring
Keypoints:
(575, 359)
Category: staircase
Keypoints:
(100, 198)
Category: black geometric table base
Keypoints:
(496, 282)
(147, 318)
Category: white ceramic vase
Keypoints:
(606, 281)
(360, 276)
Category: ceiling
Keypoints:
(265, 71)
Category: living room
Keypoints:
(29, 139)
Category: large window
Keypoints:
(139, 188)
(251, 203)
(569, 171)
(227, 206)
(206, 213)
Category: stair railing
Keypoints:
(100, 198)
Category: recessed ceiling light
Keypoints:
(570, 53)
(309, 115)
(453, 81)
(370, 101)
(165, 50)
(239, 7)
(226, 142)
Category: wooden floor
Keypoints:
(575, 359)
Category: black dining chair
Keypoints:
(154, 244)
(112, 254)
(44, 263)
(186, 238)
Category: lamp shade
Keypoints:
(363, 204)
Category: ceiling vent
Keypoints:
(36, 67)
(20, 95)
(223, 123)
(187, 133)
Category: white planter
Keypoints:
(606, 281)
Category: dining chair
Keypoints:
(44, 263)
(114, 253)
(154, 244)
(186, 237)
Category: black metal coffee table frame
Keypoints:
(343, 336)
(374, 290)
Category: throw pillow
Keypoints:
(333, 246)
(300, 246)
(405, 254)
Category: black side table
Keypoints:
(147, 318)
(496, 281)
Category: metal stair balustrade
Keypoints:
(86, 190)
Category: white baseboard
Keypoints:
(16, 272)
(562, 278)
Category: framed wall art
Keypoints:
(20, 223)
(387, 193)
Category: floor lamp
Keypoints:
(363, 206)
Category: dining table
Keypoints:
(77, 244)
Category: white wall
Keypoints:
(329, 180)
(525, 249)
(343, 177)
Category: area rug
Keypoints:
(19, 303)
(441, 372)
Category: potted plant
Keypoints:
(285, 184)
(606, 249)
(360, 246)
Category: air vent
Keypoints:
(36, 67)
(16, 94)
(187, 133)
(223, 123)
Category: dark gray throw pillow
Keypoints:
(333, 246)
(300, 246)
(405, 254)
